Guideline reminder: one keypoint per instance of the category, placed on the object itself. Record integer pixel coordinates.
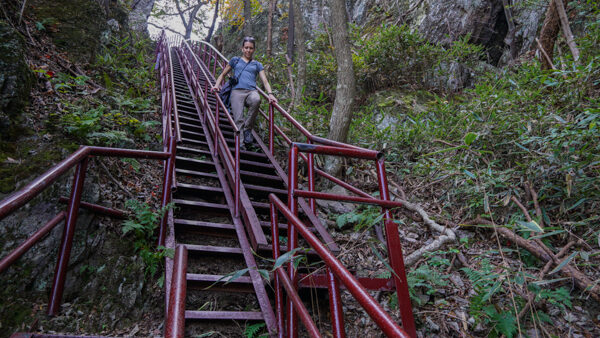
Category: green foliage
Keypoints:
(118, 114)
(395, 56)
(257, 330)
(143, 224)
(361, 218)
(426, 280)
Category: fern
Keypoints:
(253, 330)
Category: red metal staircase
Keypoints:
(227, 215)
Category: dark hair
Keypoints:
(249, 39)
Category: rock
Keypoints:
(457, 281)
(15, 80)
(334, 206)
(431, 325)
(138, 16)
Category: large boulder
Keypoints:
(15, 79)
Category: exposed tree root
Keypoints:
(541, 251)
(448, 234)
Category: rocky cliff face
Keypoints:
(15, 80)
(440, 21)
(138, 16)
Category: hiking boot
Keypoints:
(248, 137)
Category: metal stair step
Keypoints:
(208, 205)
(219, 283)
(204, 225)
(210, 249)
(196, 173)
(224, 315)
(198, 187)
(264, 188)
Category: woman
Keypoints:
(244, 93)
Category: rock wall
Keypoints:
(138, 16)
(440, 21)
(15, 80)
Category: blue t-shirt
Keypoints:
(247, 77)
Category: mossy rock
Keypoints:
(75, 26)
(15, 80)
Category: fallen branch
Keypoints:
(541, 251)
(541, 275)
(114, 180)
(546, 56)
(536, 204)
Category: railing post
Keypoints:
(335, 305)
(271, 129)
(279, 307)
(237, 173)
(292, 327)
(66, 244)
(166, 191)
(175, 325)
(217, 125)
(395, 254)
(311, 178)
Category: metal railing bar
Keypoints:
(32, 240)
(175, 323)
(174, 98)
(299, 307)
(334, 197)
(98, 208)
(373, 309)
(338, 151)
(21, 197)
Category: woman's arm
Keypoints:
(217, 85)
(263, 78)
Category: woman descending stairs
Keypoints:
(203, 221)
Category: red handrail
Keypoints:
(219, 106)
(379, 316)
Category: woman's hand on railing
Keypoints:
(215, 89)
(272, 98)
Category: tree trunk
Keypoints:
(247, 18)
(548, 35)
(510, 36)
(344, 94)
(270, 28)
(301, 51)
(214, 20)
(566, 28)
(290, 33)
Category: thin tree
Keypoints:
(341, 115)
(188, 14)
(214, 20)
(247, 18)
(289, 55)
(566, 28)
(270, 27)
(548, 35)
(300, 52)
